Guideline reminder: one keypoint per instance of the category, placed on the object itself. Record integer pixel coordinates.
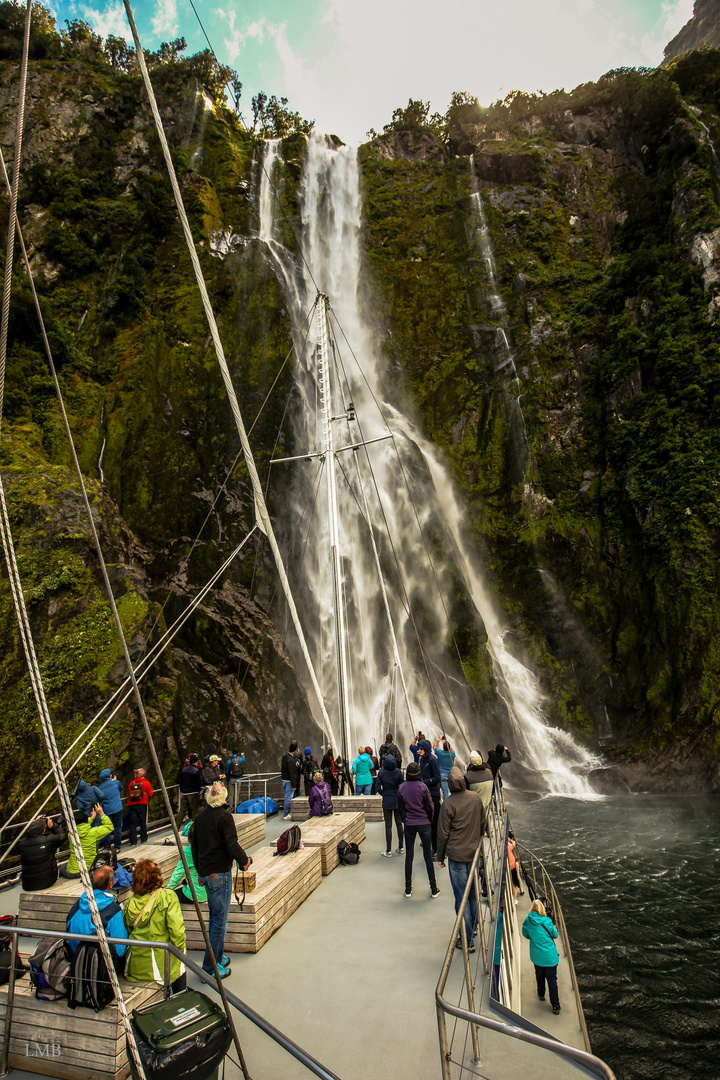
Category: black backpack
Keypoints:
(90, 985)
(235, 767)
(349, 853)
(289, 840)
(105, 857)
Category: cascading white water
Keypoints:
(414, 488)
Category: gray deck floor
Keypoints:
(351, 978)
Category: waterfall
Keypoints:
(415, 489)
(713, 152)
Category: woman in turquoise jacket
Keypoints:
(541, 933)
(362, 770)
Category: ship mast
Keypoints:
(327, 450)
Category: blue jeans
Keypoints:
(288, 792)
(363, 789)
(114, 837)
(219, 894)
(444, 785)
(423, 831)
(459, 872)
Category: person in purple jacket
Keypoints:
(416, 810)
(320, 797)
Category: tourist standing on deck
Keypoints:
(112, 791)
(139, 794)
(362, 771)
(153, 913)
(389, 780)
(233, 778)
(190, 788)
(309, 768)
(212, 771)
(374, 770)
(430, 772)
(89, 838)
(79, 919)
(214, 845)
(289, 776)
(541, 932)
(329, 769)
(38, 854)
(496, 758)
(415, 746)
(479, 777)
(461, 827)
(446, 760)
(86, 796)
(320, 797)
(416, 810)
(389, 747)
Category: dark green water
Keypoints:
(638, 878)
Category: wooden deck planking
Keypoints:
(369, 805)
(250, 830)
(327, 832)
(49, 1038)
(282, 884)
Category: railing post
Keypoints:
(167, 961)
(468, 980)
(5, 1051)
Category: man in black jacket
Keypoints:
(214, 845)
(290, 776)
(38, 849)
(190, 787)
(496, 758)
(389, 747)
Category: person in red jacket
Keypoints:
(139, 792)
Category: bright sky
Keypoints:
(348, 63)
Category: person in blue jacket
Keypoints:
(112, 805)
(430, 772)
(541, 933)
(79, 920)
(87, 796)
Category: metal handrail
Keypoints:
(292, 1048)
(582, 1057)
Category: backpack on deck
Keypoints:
(236, 769)
(289, 840)
(349, 853)
(90, 983)
(105, 857)
(50, 969)
(135, 791)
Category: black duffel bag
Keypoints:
(183, 1038)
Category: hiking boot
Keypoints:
(386, 854)
(224, 970)
(434, 892)
(556, 1009)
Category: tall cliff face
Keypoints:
(151, 423)
(589, 464)
(702, 31)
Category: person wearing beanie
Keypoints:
(112, 790)
(289, 774)
(461, 827)
(416, 810)
(309, 768)
(389, 780)
(479, 778)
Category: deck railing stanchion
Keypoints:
(5, 1051)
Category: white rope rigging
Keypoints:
(261, 510)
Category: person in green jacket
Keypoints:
(89, 837)
(153, 913)
(178, 881)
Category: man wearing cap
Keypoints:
(190, 786)
(211, 772)
(479, 778)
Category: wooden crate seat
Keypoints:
(368, 805)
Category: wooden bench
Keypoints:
(47, 909)
(369, 805)
(250, 830)
(46, 1037)
(326, 833)
(281, 885)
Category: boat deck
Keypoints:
(351, 977)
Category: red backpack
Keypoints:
(289, 840)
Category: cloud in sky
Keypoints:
(108, 20)
(165, 19)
